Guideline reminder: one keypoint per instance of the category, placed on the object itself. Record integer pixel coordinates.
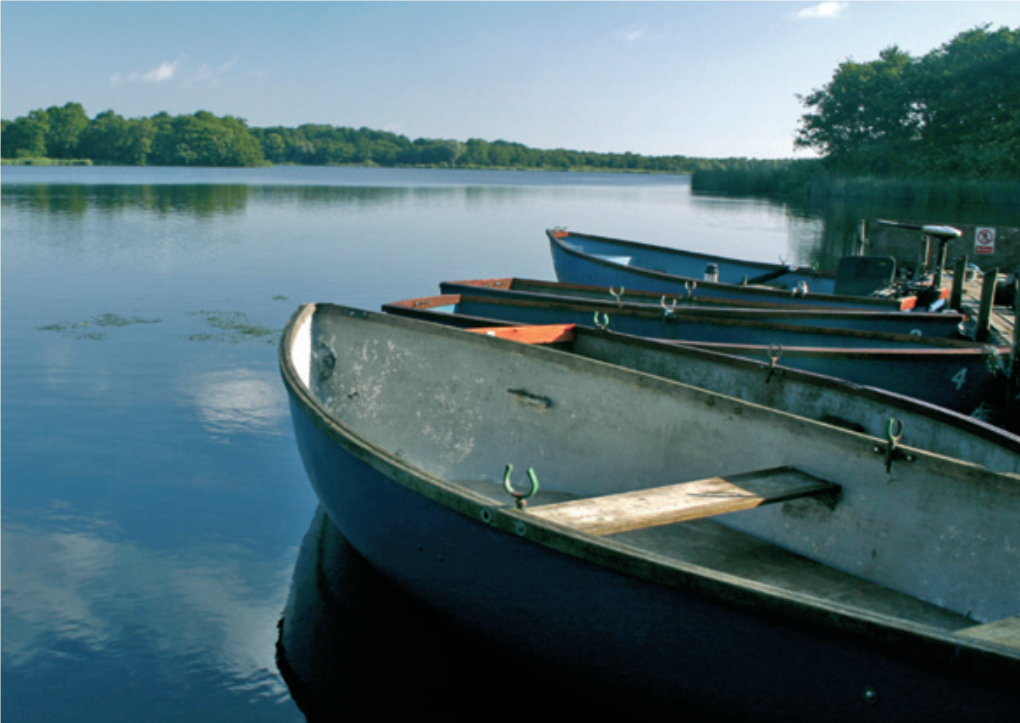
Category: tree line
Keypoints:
(954, 111)
(204, 139)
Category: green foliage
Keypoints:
(113, 140)
(955, 111)
(65, 126)
(201, 139)
(331, 145)
(811, 179)
(25, 137)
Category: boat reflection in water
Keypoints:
(350, 645)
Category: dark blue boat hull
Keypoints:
(581, 259)
(652, 648)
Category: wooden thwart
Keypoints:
(1004, 632)
(626, 511)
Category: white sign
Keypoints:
(984, 241)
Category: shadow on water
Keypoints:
(351, 646)
(823, 232)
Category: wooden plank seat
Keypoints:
(655, 506)
(1003, 632)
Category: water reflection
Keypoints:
(77, 594)
(823, 231)
(352, 646)
(238, 401)
(199, 201)
(208, 201)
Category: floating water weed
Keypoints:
(233, 327)
(86, 329)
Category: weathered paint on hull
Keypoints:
(573, 266)
(816, 396)
(680, 638)
(956, 376)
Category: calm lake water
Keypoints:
(154, 506)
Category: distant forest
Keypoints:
(202, 139)
(950, 115)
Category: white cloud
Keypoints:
(208, 75)
(162, 72)
(632, 35)
(175, 70)
(823, 10)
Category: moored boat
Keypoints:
(957, 375)
(876, 586)
(825, 399)
(860, 282)
(941, 324)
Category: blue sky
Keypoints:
(693, 78)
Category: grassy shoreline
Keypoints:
(45, 162)
(807, 180)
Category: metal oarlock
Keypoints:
(520, 497)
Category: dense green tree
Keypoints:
(111, 139)
(956, 110)
(863, 118)
(25, 137)
(65, 126)
(968, 95)
(203, 139)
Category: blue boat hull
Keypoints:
(593, 261)
(684, 640)
(692, 265)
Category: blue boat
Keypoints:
(957, 375)
(860, 282)
(677, 548)
(942, 324)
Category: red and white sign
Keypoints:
(984, 241)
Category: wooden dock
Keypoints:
(997, 326)
(975, 301)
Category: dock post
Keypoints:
(959, 276)
(987, 299)
(1014, 367)
(940, 262)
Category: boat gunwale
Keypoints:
(749, 596)
(698, 316)
(708, 351)
(711, 307)
(669, 250)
